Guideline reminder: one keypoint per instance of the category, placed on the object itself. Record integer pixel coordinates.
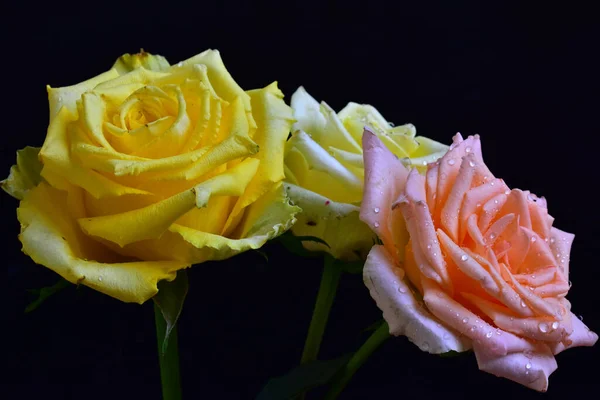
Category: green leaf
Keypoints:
(25, 175)
(374, 326)
(43, 293)
(302, 378)
(294, 244)
(452, 353)
(170, 299)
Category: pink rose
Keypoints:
(492, 271)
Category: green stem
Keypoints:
(342, 378)
(169, 361)
(327, 289)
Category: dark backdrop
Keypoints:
(523, 78)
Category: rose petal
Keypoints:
(531, 370)
(402, 312)
(560, 244)
(581, 336)
(450, 210)
(385, 178)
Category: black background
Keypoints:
(524, 78)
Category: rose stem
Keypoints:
(169, 361)
(341, 379)
(327, 289)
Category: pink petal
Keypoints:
(490, 209)
(530, 369)
(385, 177)
(456, 316)
(581, 336)
(450, 210)
(408, 211)
(431, 182)
(403, 313)
(560, 244)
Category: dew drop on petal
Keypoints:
(473, 328)
(465, 320)
(376, 210)
(471, 164)
(402, 289)
(376, 224)
(543, 327)
(528, 365)
(492, 235)
(488, 335)
(551, 240)
(533, 239)
(428, 246)
(451, 161)
(100, 278)
(523, 303)
(425, 346)
(555, 325)
(464, 257)
(468, 149)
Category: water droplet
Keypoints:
(581, 317)
(60, 98)
(425, 346)
(523, 304)
(429, 246)
(391, 124)
(570, 284)
(498, 332)
(533, 239)
(507, 192)
(471, 164)
(424, 163)
(376, 210)
(464, 257)
(478, 205)
(555, 325)
(495, 201)
(546, 240)
(485, 178)
(543, 327)
(465, 320)
(512, 318)
(376, 224)
(180, 64)
(532, 276)
(526, 372)
(402, 289)
(100, 278)
(468, 150)
(528, 365)
(551, 240)
(446, 336)
(434, 254)
(488, 335)
(435, 241)
(492, 183)
(473, 328)
(492, 235)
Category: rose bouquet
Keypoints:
(150, 168)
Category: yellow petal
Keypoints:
(338, 224)
(51, 237)
(25, 175)
(55, 156)
(152, 221)
(222, 81)
(69, 95)
(273, 119)
(128, 62)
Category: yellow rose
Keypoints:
(149, 168)
(324, 170)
